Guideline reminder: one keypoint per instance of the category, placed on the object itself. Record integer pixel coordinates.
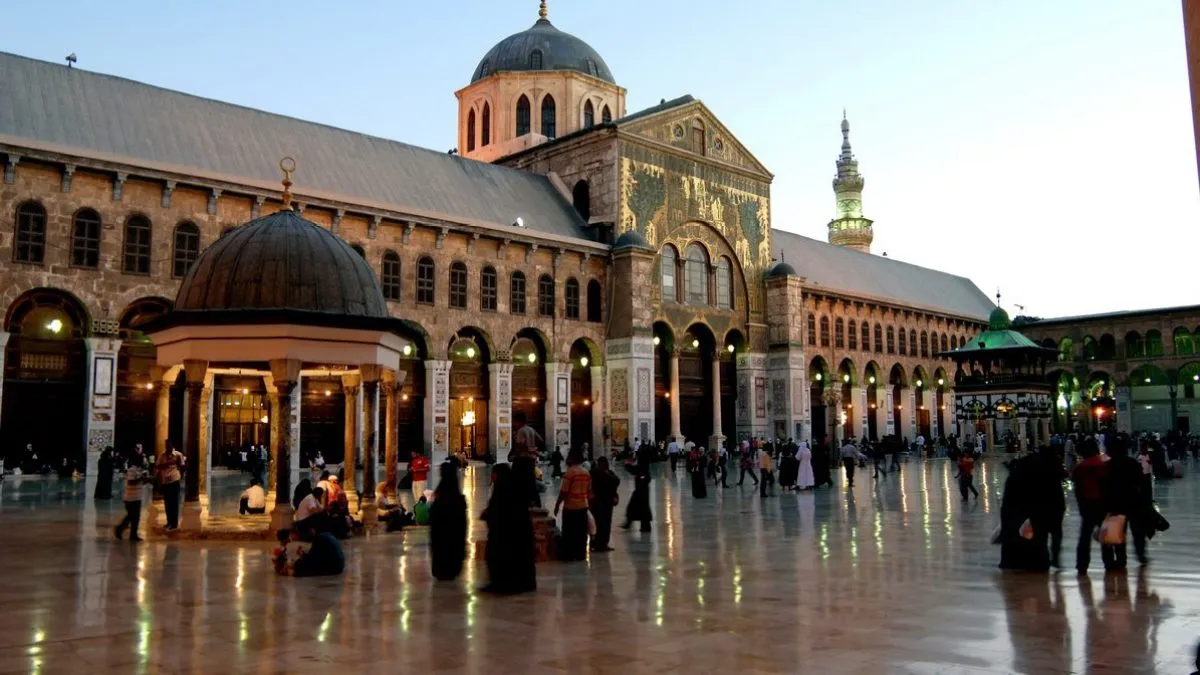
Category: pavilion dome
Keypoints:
(631, 239)
(999, 320)
(282, 262)
(558, 51)
(781, 269)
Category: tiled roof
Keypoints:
(844, 269)
(143, 124)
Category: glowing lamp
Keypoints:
(666, 394)
(468, 418)
(404, 397)
(871, 379)
(656, 340)
(695, 343)
(941, 382)
(920, 383)
(817, 377)
(533, 400)
(470, 352)
(845, 378)
(583, 361)
(731, 349)
(264, 419)
(245, 392)
(328, 393)
(149, 385)
(532, 357)
(587, 401)
(55, 325)
(407, 350)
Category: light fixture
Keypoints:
(920, 383)
(404, 397)
(470, 399)
(583, 361)
(245, 392)
(941, 382)
(328, 393)
(1149, 407)
(534, 399)
(1196, 378)
(656, 340)
(407, 350)
(264, 419)
(845, 377)
(871, 379)
(695, 342)
(532, 357)
(898, 406)
(731, 349)
(587, 401)
(872, 406)
(1147, 380)
(817, 377)
(943, 407)
(470, 352)
(55, 325)
(149, 385)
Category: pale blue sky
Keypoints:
(1042, 146)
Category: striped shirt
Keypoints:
(576, 490)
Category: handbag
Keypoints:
(1112, 531)
(591, 524)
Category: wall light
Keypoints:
(245, 392)
(532, 357)
(328, 393)
(1147, 380)
(871, 379)
(845, 377)
(656, 340)
(666, 394)
(264, 419)
(55, 325)
(404, 397)
(941, 382)
(583, 361)
(470, 352)
(695, 343)
(587, 401)
(407, 350)
(817, 377)
(534, 399)
(731, 349)
(920, 383)
(149, 385)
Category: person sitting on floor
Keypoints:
(310, 515)
(421, 511)
(323, 557)
(254, 499)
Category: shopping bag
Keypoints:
(591, 524)
(1112, 531)
(1026, 530)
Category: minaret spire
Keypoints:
(849, 228)
(543, 11)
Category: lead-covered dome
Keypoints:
(542, 47)
(282, 262)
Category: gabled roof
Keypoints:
(844, 269)
(143, 125)
(635, 120)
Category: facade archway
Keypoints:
(847, 380)
(664, 348)
(941, 382)
(872, 381)
(1150, 399)
(922, 417)
(585, 356)
(530, 354)
(45, 374)
(136, 399)
(898, 382)
(697, 349)
(819, 380)
(470, 353)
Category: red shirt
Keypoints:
(419, 467)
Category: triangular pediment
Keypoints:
(678, 123)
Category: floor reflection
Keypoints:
(894, 576)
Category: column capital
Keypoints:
(371, 373)
(100, 345)
(350, 382)
(285, 370)
(195, 369)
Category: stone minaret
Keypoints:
(849, 228)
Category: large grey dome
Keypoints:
(282, 262)
(559, 51)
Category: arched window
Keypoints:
(605, 115)
(824, 331)
(535, 59)
(1134, 347)
(470, 131)
(582, 198)
(85, 239)
(29, 244)
(1183, 342)
(879, 340)
(839, 333)
(594, 301)
(425, 283)
(389, 275)
(667, 269)
(933, 343)
(812, 330)
(485, 135)
(589, 115)
(516, 293)
(945, 343)
(548, 115)
(1089, 348)
(866, 337)
(487, 289)
(699, 144)
(1108, 347)
(903, 342)
(1154, 345)
(522, 116)
(137, 246)
(724, 284)
(953, 342)
(572, 299)
(924, 344)
(696, 275)
(458, 285)
(851, 335)
(912, 341)
(545, 295)
(186, 249)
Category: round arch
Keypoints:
(715, 245)
(136, 408)
(585, 410)
(1148, 375)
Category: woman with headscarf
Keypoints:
(604, 492)
(448, 526)
(698, 467)
(510, 535)
(639, 503)
(303, 489)
(805, 480)
(104, 474)
(789, 466)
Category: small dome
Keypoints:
(558, 51)
(781, 269)
(282, 262)
(632, 239)
(999, 320)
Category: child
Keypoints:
(135, 478)
(421, 511)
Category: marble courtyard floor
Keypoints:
(895, 576)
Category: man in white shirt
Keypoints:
(310, 513)
(673, 451)
(254, 499)
(849, 460)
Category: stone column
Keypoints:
(500, 407)
(599, 405)
(1124, 410)
(275, 422)
(437, 409)
(927, 400)
(196, 371)
(558, 406)
(891, 410)
(350, 384)
(991, 435)
(1021, 432)
(909, 414)
(390, 450)
(101, 406)
(3, 352)
(206, 436)
(630, 385)
(370, 385)
(952, 415)
(162, 378)
(717, 437)
(859, 396)
(293, 420)
(286, 376)
(935, 419)
(676, 432)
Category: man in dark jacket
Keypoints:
(1125, 494)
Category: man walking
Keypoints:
(1089, 478)
(766, 469)
(673, 452)
(747, 464)
(849, 459)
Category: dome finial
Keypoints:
(543, 12)
(287, 165)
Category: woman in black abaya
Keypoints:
(510, 535)
(639, 503)
(1022, 501)
(104, 474)
(448, 526)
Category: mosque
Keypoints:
(605, 275)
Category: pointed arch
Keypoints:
(605, 115)
(471, 130)
(549, 117)
(485, 126)
(523, 116)
(589, 115)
